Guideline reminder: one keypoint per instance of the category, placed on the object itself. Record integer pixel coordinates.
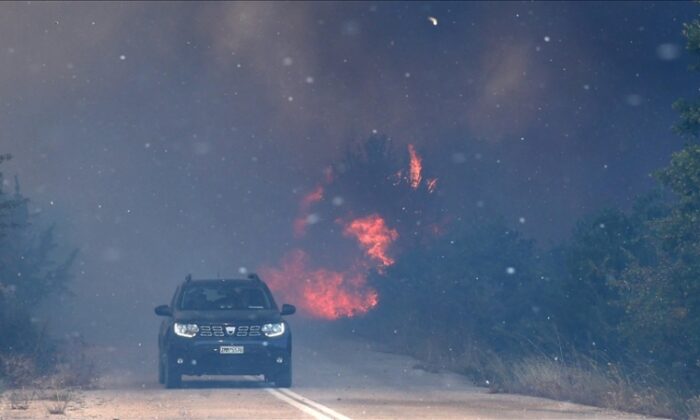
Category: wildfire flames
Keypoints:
(319, 292)
(415, 167)
(331, 294)
(374, 236)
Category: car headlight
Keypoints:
(185, 330)
(273, 330)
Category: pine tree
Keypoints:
(29, 273)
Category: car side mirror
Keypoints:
(288, 309)
(163, 310)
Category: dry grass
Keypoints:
(555, 380)
(59, 400)
(57, 395)
(578, 379)
(589, 383)
(74, 375)
(693, 408)
(20, 399)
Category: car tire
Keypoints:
(172, 378)
(283, 378)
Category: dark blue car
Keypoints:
(224, 327)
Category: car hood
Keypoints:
(253, 316)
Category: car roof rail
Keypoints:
(254, 277)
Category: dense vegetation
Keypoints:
(30, 271)
(611, 317)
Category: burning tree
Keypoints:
(367, 208)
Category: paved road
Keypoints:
(335, 378)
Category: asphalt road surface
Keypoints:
(334, 378)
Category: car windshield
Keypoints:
(223, 296)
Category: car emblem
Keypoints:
(230, 330)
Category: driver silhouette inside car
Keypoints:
(231, 300)
(197, 300)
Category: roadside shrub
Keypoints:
(59, 399)
(73, 366)
(20, 399)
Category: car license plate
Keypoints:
(231, 350)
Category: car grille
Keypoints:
(220, 330)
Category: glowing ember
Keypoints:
(397, 177)
(320, 293)
(415, 167)
(307, 201)
(299, 226)
(313, 197)
(374, 236)
(328, 175)
(431, 184)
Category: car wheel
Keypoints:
(283, 378)
(172, 378)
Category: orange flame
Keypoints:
(320, 293)
(324, 293)
(431, 184)
(374, 236)
(415, 167)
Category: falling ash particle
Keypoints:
(668, 52)
(634, 99)
(312, 219)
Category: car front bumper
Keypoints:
(199, 356)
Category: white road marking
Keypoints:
(305, 408)
(320, 407)
(310, 407)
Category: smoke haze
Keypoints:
(175, 138)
